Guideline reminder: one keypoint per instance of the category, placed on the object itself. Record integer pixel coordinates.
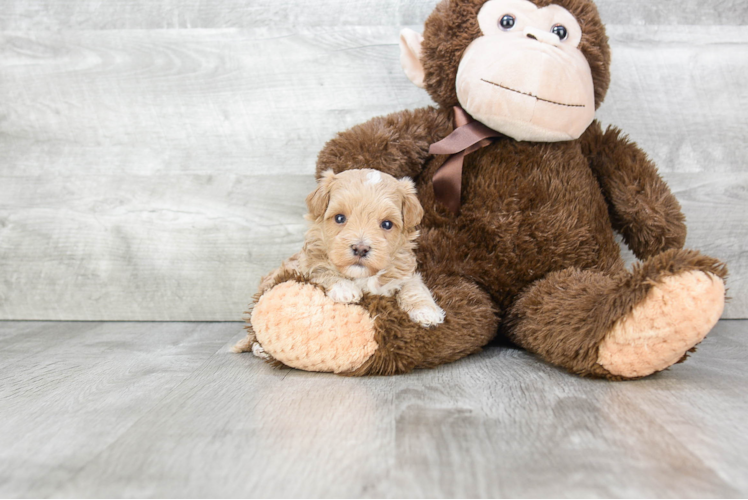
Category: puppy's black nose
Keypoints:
(360, 250)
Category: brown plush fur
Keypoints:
(563, 317)
(535, 217)
(640, 205)
(532, 256)
(470, 324)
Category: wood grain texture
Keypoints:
(130, 247)
(156, 174)
(69, 390)
(124, 247)
(266, 100)
(677, 95)
(160, 410)
(203, 101)
(186, 14)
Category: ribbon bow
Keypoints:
(468, 136)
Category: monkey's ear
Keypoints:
(412, 209)
(318, 199)
(410, 56)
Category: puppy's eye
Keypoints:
(340, 218)
(387, 224)
(507, 22)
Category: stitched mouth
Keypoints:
(532, 95)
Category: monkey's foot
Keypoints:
(677, 314)
(298, 325)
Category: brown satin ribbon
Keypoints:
(468, 136)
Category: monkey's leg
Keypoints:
(470, 322)
(470, 316)
(624, 326)
(299, 326)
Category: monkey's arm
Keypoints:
(641, 206)
(396, 144)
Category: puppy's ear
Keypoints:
(318, 199)
(412, 209)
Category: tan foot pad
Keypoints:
(301, 327)
(676, 315)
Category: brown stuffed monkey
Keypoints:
(522, 192)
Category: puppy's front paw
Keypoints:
(427, 316)
(344, 292)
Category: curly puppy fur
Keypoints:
(363, 228)
(361, 239)
(364, 199)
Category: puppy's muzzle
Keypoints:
(360, 250)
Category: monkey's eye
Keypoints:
(340, 218)
(560, 32)
(386, 224)
(507, 22)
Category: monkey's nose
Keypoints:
(541, 36)
(360, 250)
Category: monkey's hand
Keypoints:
(641, 206)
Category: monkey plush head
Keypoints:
(534, 70)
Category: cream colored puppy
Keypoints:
(361, 239)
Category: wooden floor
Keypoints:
(164, 409)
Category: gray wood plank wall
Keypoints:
(154, 156)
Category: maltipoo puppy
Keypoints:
(361, 239)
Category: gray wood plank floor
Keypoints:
(164, 409)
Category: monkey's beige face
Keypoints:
(369, 217)
(525, 77)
